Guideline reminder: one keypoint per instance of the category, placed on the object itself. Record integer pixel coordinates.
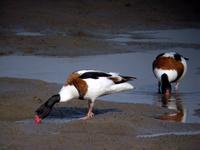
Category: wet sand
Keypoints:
(76, 28)
(115, 125)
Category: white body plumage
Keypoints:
(95, 86)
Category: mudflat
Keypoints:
(76, 28)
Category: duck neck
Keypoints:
(67, 93)
(165, 85)
(44, 110)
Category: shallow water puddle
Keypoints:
(48, 120)
(169, 133)
(59, 115)
(186, 36)
(189, 36)
(138, 64)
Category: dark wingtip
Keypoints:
(128, 78)
(186, 58)
(134, 78)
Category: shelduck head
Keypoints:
(44, 110)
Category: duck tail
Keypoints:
(186, 58)
(128, 78)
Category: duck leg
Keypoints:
(176, 86)
(90, 114)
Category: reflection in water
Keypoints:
(173, 102)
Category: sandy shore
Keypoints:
(115, 125)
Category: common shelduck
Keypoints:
(168, 68)
(85, 84)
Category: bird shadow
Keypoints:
(61, 115)
(76, 112)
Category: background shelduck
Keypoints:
(168, 68)
(85, 84)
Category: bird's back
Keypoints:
(172, 64)
(102, 83)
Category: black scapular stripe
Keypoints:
(94, 75)
(44, 110)
(177, 57)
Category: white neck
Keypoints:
(67, 93)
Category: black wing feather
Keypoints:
(94, 75)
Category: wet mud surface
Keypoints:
(76, 28)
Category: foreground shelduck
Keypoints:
(85, 84)
(168, 68)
